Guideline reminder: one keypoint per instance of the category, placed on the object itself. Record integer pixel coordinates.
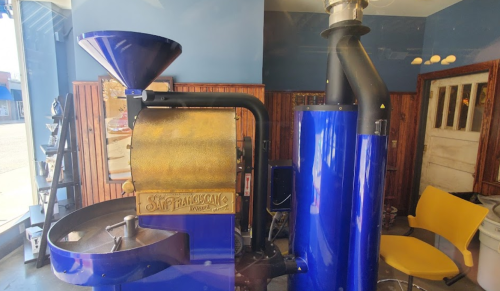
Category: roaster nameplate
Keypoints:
(185, 203)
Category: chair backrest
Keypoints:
(449, 216)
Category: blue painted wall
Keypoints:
(295, 55)
(221, 39)
(469, 30)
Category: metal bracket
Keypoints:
(267, 145)
(381, 127)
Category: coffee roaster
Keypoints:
(177, 233)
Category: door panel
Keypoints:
(451, 143)
(450, 179)
(454, 149)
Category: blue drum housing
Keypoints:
(323, 162)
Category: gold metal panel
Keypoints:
(186, 203)
(184, 152)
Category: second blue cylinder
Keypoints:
(323, 160)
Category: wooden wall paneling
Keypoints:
(401, 148)
(412, 111)
(279, 106)
(390, 194)
(279, 119)
(400, 156)
(93, 187)
(88, 109)
(282, 137)
(290, 116)
(491, 119)
(285, 134)
(422, 97)
(286, 130)
(99, 145)
(81, 159)
(272, 128)
(490, 188)
(85, 145)
(269, 107)
(276, 137)
(404, 114)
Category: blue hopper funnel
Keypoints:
(135, 59)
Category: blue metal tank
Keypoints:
(368, 193)
(323, 161)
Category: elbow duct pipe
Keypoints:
(338, 91)
(180, 99)
(371, 155)
(373, 97)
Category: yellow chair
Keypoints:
(446, 215)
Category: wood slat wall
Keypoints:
(488, 160)
(279, 105)
(88, 111)
(403, 130)
(401, 155)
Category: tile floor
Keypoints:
(16, 276)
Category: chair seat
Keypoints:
(416, 258)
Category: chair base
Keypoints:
(399, 282)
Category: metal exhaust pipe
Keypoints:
(343, 12)
(371, 143)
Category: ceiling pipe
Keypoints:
(343, 13)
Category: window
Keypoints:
(464, 107)
(4, 108)
(478, 109)
(439, 113)
(461, 107)
(452, 106)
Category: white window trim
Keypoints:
(16, 7)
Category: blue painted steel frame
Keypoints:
(211, 237)
(210, 265)
(323, 161)
(111, 268)
(364, 242)
(211, 243)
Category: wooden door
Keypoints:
(452, 133)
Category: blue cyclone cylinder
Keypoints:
(364, 243)
(323, 161)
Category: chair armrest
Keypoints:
(453, 280)
(409, 232)
(412, 221)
